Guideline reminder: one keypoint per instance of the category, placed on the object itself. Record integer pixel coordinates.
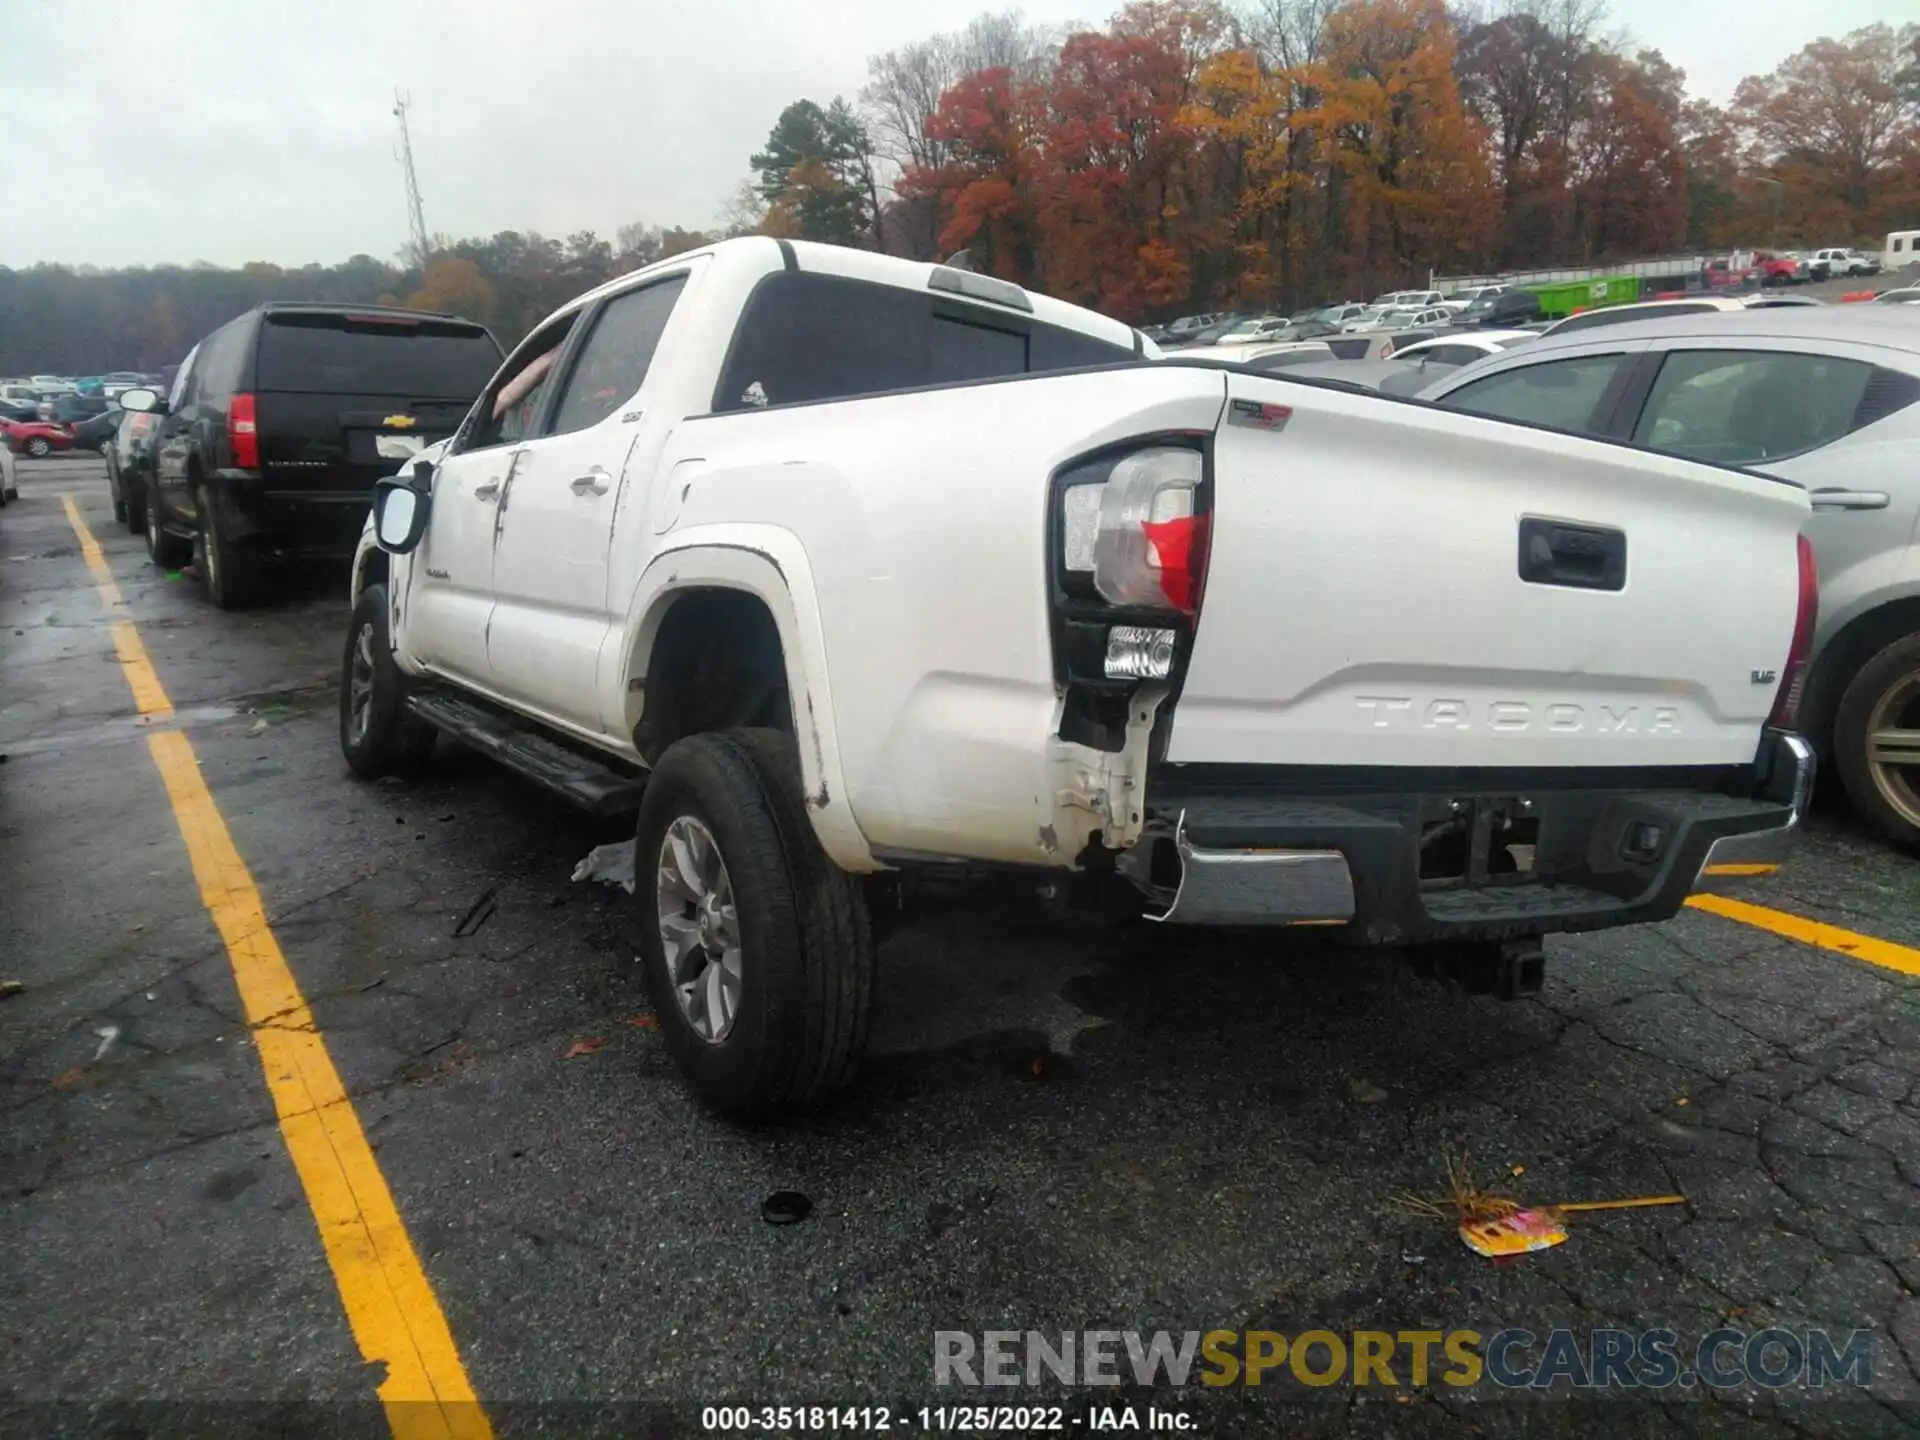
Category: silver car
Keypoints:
(1822, 397)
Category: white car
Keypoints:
(841, 568)
(1837, 261)
(1408, 299)
(1254, 330)
(1907, 295)
(1465, 348)
(1648, 310)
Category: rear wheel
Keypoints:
(757, 950)
(378, 734)
(169, 552)
(231, 575)
(1876, 741)
(113, 485)
(39, 447)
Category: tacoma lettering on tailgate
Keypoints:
(1561, 717)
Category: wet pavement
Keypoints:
(1064, 1125)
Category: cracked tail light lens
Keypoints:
(1138, 532)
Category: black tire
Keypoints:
(231, 575)
(806, 946)
(169, 552)
(38, 446)
(136, 504)
(113, 488)
(390, 740)
(1867, 784)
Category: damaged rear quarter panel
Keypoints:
(922, 517)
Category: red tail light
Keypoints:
(1794, 674)
(241, 434)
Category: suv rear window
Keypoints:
(826, 337)
(345, 354)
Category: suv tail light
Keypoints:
(241, 434)
(1794, 674)
(1139, 531)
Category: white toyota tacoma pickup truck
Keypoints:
(835, 565)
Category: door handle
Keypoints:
(486, 491)
(1577, 556)
(1833, 498)
(596, 481)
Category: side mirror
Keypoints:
(399, 515)
(147, 402)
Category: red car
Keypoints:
(35, 437)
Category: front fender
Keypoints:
(769, 563)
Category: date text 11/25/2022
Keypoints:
(945, 1419)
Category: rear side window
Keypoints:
(399, 357)
(825, 337)
(1740, 407)
(1563, 394)
(220, 359)
(615, 357)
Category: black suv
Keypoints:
(281, 420)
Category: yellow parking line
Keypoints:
(1883, 953)
(148, 694)
(390, 1305)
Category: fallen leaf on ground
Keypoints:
(645, 1022)
(584, 1047)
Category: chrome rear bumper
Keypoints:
(1735, 859)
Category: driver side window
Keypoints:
(509, 410)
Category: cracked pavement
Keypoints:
(1063, 1126)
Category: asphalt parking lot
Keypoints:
(1064, 1126)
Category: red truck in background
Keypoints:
(1755, 267)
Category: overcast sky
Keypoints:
(235, 130)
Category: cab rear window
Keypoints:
(400, 356)
(809, 337)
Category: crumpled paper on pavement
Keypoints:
(609, 864)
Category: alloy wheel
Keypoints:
(1893, 746)
(360, 685)
(699, 928)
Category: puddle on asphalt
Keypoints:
(117, 730)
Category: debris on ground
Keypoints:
(584, 1047)
(11, 988)
(647, 1021)
(108, 1034)
(1496, 1225)
(609, 864)
(478, 913)
(259, 727)
(785, 1207)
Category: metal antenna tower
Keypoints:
(416, 217)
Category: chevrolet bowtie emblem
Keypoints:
(399, 422)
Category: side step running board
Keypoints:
(594, 785)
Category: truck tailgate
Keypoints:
(1398, 585)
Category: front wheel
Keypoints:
(378, 734)
(1876, 741)
(114, 487)
(757, 950)
(39, 447)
